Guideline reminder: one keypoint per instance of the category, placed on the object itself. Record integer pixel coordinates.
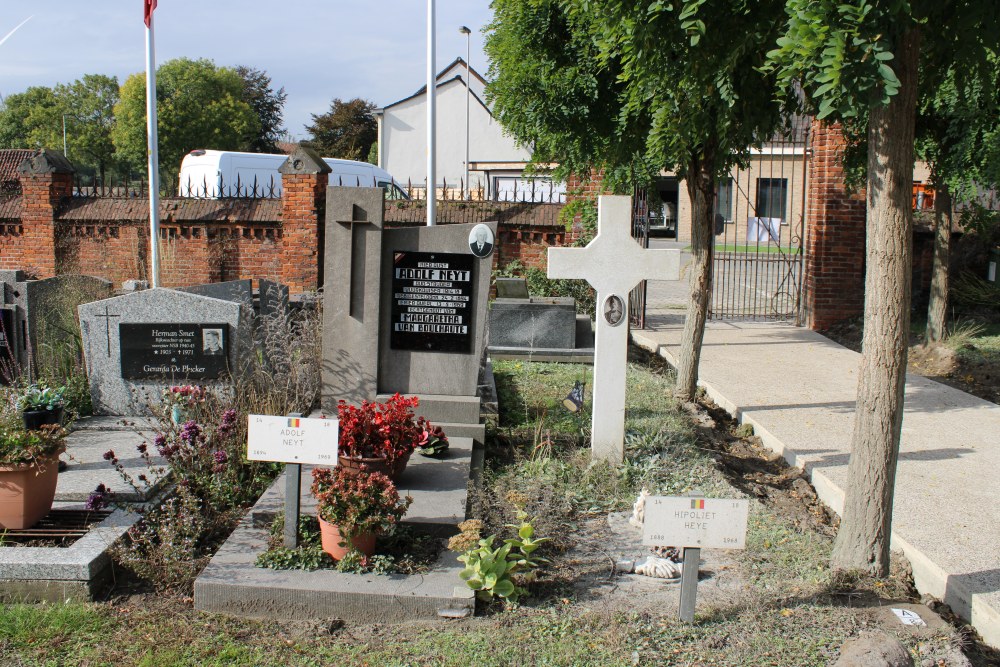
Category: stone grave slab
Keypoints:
(534, 323)
(137, 344)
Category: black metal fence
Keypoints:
(527, 191)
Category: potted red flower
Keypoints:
(381, 436)
(355, 508)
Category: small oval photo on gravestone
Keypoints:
(481, 241)
(614, 310)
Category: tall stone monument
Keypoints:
(405, 310)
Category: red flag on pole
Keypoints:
(147, 10)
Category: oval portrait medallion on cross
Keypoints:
(481, 241)
(614, 310)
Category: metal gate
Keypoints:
(757, 269)
(640, 232)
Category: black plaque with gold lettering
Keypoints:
(181, 351)
(431, 302)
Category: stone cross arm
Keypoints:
(613, 263)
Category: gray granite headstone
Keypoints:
(231, 290)
(183, 320)
(51, 306)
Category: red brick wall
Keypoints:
(35, 250)
(303, 213)
(834, 277)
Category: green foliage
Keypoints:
(37, 397)
(634, 87)
(269, 106)
(490, 572)
(541, 285)
(18, 445)
(347, 131)
(199, 105)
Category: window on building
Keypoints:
(724, 200)
(772, 193)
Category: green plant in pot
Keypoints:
(29, 462)
(41, 405)
(354, 509)
(381, 436)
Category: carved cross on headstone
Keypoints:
(107, 323)
(613, 263)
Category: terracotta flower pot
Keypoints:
(335, 545)
(27, 491)
(395, 470)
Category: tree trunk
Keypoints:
(937, 309)
(701, 189)
(863, 539)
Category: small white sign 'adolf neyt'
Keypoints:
(704, 523)
(613, 263)
(292, 439)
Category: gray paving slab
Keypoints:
(86, 466)
(798, 388)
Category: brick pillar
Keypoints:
(303, 212)
(834, 278)
(46, 180)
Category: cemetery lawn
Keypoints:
(776, 603)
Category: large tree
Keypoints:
(346, 131)
(199, 105)
(268, 104)
(854, 57)
(24, 115)
(641, 87)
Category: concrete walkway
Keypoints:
(798, 390)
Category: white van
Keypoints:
(214, 174)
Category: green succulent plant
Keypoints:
(490, 571)
(41, 398)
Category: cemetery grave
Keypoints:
(540, 464)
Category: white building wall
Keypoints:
(404, 142)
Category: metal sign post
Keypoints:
(694, 522)
(293, 499)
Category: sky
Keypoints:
(316, 49)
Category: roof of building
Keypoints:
(10, 160)
(441, 82)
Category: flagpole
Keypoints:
(431, 119)
(154, 160)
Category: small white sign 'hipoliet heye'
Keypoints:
(292, 439)
(708, 523)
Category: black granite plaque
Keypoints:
(431, 302)
(176, 351)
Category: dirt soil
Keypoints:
(939, 363)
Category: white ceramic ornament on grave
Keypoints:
(613, 263)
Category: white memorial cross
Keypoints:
(613, 263)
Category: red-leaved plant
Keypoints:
(358, 504)
(381, 430)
